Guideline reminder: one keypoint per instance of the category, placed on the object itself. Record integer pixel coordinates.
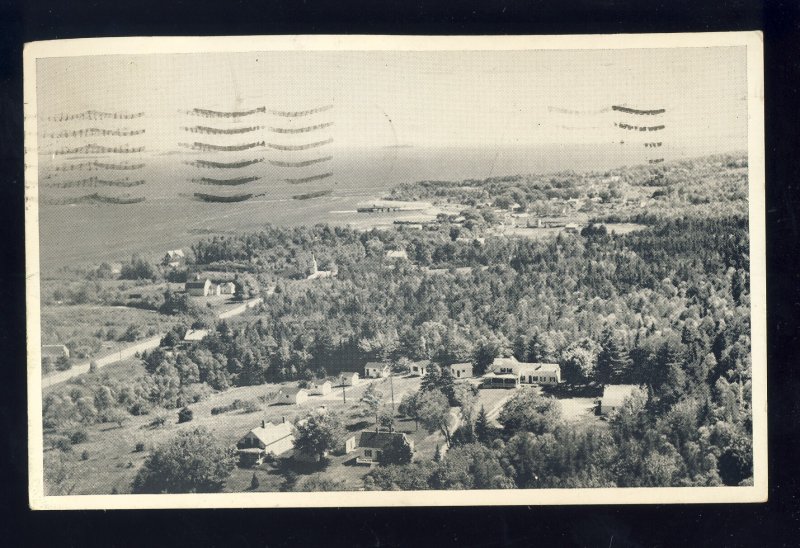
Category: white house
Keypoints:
(460, 370)
(372, 444)
(349, 379)
(320, 389)
(528, 373)
(263, 440)
(376, 370)
(614, 396)
(174, 258)
(200, 288)
(419, 368)
(292, 395)
(226, 288)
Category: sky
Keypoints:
(425, 98)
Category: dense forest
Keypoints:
(666, 307)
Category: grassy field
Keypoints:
(92, 329)
(112, 462)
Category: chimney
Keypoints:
(263, 423)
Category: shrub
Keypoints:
(185, 415)
(85, 455)
(78, 436)
(158, 421)
(139, 447)
(61, 443)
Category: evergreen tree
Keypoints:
(482, 426)
(613, 361)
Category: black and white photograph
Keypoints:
(395, 271)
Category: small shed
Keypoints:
(398, 254)
(292, 395)
(54, 351)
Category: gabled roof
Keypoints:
(458, 365)
(397, 254)
(270, 433)
(175, 253)
(379, 365)
(378, 440)
(197, 284)
(504, 362)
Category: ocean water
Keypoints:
(170, 217)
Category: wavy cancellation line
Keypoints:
(93, 166)
(300, 164)
(224, 199)
(300, 147)
(306, 129)
(309, 179)
(628, 110)
(96, 181)
(225, 182)
(655, 161)
(225, 114)
(298, 113)
(221, 131)
(622, 125)
(207, 147)
(94, 198)
(94, 131)
(224, 165)
(99, 149)
(95, 115)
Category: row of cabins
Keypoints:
(278, 439)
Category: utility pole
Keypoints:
(344, 396)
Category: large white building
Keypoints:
(528, 373)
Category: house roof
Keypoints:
(378, 440)
(175, 253)
(538, 368)
(378, 365)
(349, 374)
(197, 284)
(270, 433)
(458, 365)
(195, 334)
(615, 394)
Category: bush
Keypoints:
(185, 415)
(158, 421)
(61, 443)
(139, 447)
(85, 455)
(78, 436)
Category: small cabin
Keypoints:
(320, 389)
(376, 370)
(371, 445)
(349, 379)
(460, 370)
(419, 368)
(291, 396)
